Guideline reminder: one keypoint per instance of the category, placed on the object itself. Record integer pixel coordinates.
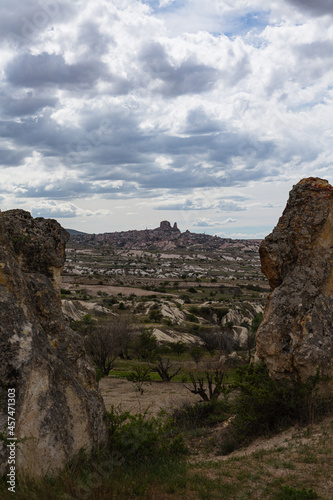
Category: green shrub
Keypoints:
(109, 301)
(197, 353)
(99, 374)
(147, 347)
(201, 414)
(263, 406)
(289, 492)
(155, 316)
(138, 438)
(178, 347)
(257, 320)
(192, 318)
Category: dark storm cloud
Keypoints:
(113, 147)
(315, 7)
(10, 158)
(199, 123)
(24, 106)
(51, 70)
(38, 134)
(190, 77)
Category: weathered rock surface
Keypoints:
(58, 406)
(296, 335)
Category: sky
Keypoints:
(118, 114)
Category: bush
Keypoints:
(178, 347)
(257, 320)
(155, 316)
(289, 492)
(264, 406)
(109, 301)
(140, 439)
(147, 347)
(197, 353)
(201, 414)
(192, 318)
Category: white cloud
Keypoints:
(204, 222)
(54, 209)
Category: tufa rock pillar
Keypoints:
(58, 407)
(295, 338)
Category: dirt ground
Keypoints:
(156, 396)
(110, 290)
(163, 395)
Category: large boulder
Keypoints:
(58, 407)
(295, 338)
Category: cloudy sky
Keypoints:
(117, 114)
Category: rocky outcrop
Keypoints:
(296, 336)
(58, 407)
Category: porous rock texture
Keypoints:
(58, 407)
(295, 338)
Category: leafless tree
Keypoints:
(164, 369)
(105, 342)
(218, 340)
(214, 382)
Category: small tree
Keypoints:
(178, 347)
(197, 353)
(147, 345)
(139, 376)
(163, 369)
(123, 328)
(104, 343)
(85, 325)
(103, 348)
(218, 340)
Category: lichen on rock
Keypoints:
(295, 338)
(58, 408)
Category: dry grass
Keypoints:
(300, 458)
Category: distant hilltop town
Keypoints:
(164, 237)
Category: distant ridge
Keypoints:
(164, 237)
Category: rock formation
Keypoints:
(296, 335)
(58, 407)
(166, 226)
